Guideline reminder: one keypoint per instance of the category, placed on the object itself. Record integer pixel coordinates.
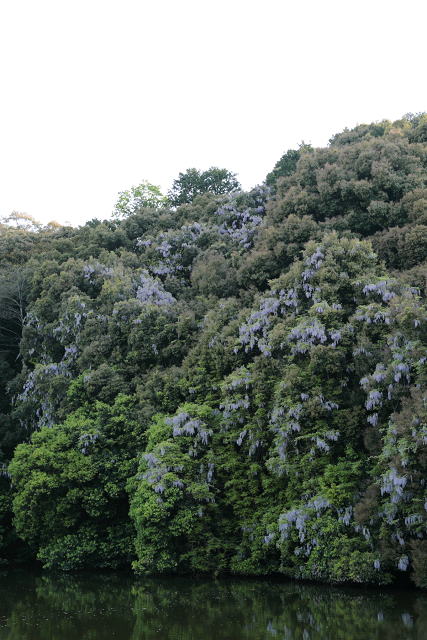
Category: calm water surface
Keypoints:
(121, 607)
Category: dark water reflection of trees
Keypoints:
(101, 606)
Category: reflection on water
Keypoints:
(101, 606)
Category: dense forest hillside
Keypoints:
(226, 381)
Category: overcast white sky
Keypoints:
(98, 95)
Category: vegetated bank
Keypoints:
(230, 382)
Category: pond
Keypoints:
(121, 607)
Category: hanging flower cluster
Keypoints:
(241, 226)
(150, 291)
(184, 424)
(175, 249)
(170, 466)
(37, 384)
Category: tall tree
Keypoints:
(14, 290)
(138, 197)
(194, 182)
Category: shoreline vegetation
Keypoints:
(219, 382)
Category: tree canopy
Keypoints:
(229, 381)
(195, 182)
(137, 198)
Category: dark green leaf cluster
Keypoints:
(286, 165)
(194, 182)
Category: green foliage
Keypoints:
(213, 274)
(237, 385)
(138, 198)
(286, 165)
(363, 177)
(71, 504)
(195, 182)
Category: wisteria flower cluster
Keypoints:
(172, 246)
(151, 291)
(241, 226)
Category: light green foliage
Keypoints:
(136, 198)
(71, 504)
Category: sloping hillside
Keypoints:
(236, 384)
